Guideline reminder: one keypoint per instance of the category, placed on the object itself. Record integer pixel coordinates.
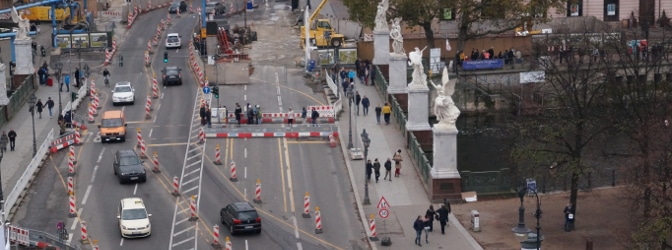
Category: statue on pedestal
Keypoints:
(415, 60)
(24, 26)
(381, 16)
(397, 38)
(444, 107)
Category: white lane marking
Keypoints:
(177, 51)
(69, 238)
(245, 87)
(86, 194)
(123, 108)
(246, 245)
(100, 156)
(244, 192)
(245, 97)
(158, 107)
(162, 93)
(245, 152)
(150, 133)
(74, 222)
(279, 101)
(289, 178)
(245, 173)
(181, 232)
(93, 175)
(135, 189)
(296, 227)
(299, 246)
(121, 243)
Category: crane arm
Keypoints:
(316, 12)
(25, 6)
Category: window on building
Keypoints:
(448, 14)
(575, 8)
(611, 10)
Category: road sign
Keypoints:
(382, 203)
(383, 213)
(206, 90)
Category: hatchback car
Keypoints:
(172, 75)
(133, 218)
(123, 92)
(128, 166)
(215, 8)
(240, 217)
(173, 41)
(173, 8)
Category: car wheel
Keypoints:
(114, 104)
(121, 181)
(144, 179)
(258, 231)
(132, 102)
(180, 83)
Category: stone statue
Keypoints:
(415, 60)
(444, 107)
(24, 26)
(397, 39)
(381, 16)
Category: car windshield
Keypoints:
(172, 72)
(109, 123)
(134, 214)
(173, 39)
(248, 215)
(121, 89)
(175, 5)
(129, 160)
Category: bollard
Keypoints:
(94, 106)
(85, 233)
(78, 137)
(215, 237)
(148, 109)
(139, 132)
(96, 100)
(147, 62)
(143, 150)
(372, 227)
(176, 186)
(306, 205)
(71, 186)
(332, 140)
(218, 155)
(228, 244)
(92, 90)
(149, 46)
(201, 136)
(257, 192)
(192, 207)
(149, 103)
(72, 154)
(234, 176)
(71, 166)
(155, 88)
(318, 221)
(73, 206)
(156, 163)
(91, 119)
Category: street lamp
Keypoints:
(351, 95)
(59, 67)
(2, 198)
(367, 142)
(528, 240)
(31, 100)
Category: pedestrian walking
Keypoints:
(66, 81)
(429, 215)
(237, 112)
(3, 141)
(251, 114)
(369, 170)
(40, 106)
(378, 110)
(397, 163)
(443, 215)
(259, 114)
(50, 107)
(569, 217)
(376, 169)
(365, 105)
(290, 118)
(418, 225)
(304, 114)
(428, 226)
(388, 169)
(208, 117)
(201, 113)
(78, 76)
(313, 116)
(12, 139)
(387, 110)
(358, 99)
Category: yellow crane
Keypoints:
(321, 33)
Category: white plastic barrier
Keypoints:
(81, 94)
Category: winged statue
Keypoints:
(24, 25)
(381, 15)
(444, 106)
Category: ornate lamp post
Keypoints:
(367, 142)
(351, 95)
(59, 68)
(32, 100)
(528, 240)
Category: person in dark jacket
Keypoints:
(376, 169)
(12, 139)
(443, 215)
(365, 105)
(388, 169)
(369, 170)
(40, 106)
(237, 112)
(202, 113)
(313, 116)
(358, 99)
(418, 225)
(3, 141)
(379, 111)
(569, 217)
(429, 220)
(429, 215)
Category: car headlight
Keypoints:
(148, 226)
(123, 227)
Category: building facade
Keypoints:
(617, 10)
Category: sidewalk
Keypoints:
(406, 195)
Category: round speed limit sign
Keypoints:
(383, 213)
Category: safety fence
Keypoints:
(338, 105)
(81, 94)
(38, 239)
(18, 97)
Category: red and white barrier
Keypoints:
(306, 205)
(78, 138)
(372, 227)
(227, 243)
(78, 125)
(176, 186)
(149, 46)
(91, 119)
(332, 140)
(62, 142)
(323, 110)
(85, 233)
(215, 237)
(114, 44)
(108, 56)
(318, 221)
(147, 62)
(234, 175)
(71, 185)
(155, 160)
(201, 136)
(148, 108)
(218, 155)
(192, 207)
(71, 166)
(71, 154)
(139, 136)
(257, 192)
(155, 88)
(149, 5)
(72, 201)
(143, 150)
(289, 134)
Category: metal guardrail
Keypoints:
(36, 236)
(22, 183)
(420, 157)
(338, 105)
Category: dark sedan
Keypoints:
(128, 167)
(172, 75)
(177, 5)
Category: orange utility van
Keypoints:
(113, 126)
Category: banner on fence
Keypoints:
(483, 64)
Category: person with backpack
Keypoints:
(376, 169)
(388, 169)
(442, 215)
(50, 107)
(313, 116)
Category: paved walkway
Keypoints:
(406, 194)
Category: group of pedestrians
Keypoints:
(8, 138)
(206, 115)
(373, 168)
(426, 223)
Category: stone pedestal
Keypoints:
(3, 86)
(418, 108)
(446, 180)
(398, 74)
(23, 52)
(381, 47)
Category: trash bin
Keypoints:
(50, 82)
(475, 221)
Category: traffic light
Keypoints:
(215, 91)
(73, 96)
(165, 57)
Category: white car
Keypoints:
(173, 41)
(123, 92)
(133, 218)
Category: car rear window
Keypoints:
(248, 215)
(173, 39)
(172, 72)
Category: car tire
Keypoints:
(258, 231)
(114, 104)
(121, 181)
(132, 102)
(180, 83)
(143, 180)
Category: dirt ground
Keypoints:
(601, 218)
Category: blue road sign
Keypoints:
(206, 90)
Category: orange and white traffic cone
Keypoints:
(192, 207)
(215, 237)
(218, 155)
(257, 192)
(318, 221)
(234, 176)
(306, 205)
(176, 186)
(155, 159)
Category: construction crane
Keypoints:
(321, 33)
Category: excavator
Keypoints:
(321, 32)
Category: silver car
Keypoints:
(123, 92)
